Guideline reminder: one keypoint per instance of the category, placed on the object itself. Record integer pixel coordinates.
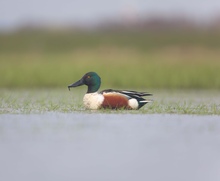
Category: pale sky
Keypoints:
(14, 13)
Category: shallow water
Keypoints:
(117, 147)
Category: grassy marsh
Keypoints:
(140, 60)
(61, 100)
(36, 68)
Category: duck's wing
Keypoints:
(127, 94)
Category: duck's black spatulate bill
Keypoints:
(76, 84)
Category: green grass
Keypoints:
(166, 68)
(66, 41)
(28, 101)
(141, 60)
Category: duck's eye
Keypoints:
(88, 76)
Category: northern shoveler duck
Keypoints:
(112, 99)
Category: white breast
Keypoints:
(93, 100)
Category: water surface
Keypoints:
(117, 147)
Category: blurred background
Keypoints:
(141, 44)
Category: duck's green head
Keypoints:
(91, 79)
